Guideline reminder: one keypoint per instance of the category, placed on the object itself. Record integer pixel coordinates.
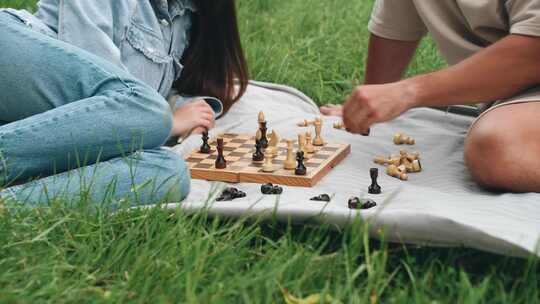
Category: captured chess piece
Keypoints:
(318, 140)
(356, 203)
(400, 139)
(221, 163)
(321, 198)
(205, 148)
(300, 168)
(230, 194)
(258, 156)
(268, 166)
(374, 188)
(397, 172)
(267, 188)
(339, 125)
(290, 162)
(309, 146)
(304, 123)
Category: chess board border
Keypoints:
(233, 176)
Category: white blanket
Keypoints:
(440, 206)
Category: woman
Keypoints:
(83, 108)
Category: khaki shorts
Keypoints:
(530, 95)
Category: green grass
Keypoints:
(80, 255)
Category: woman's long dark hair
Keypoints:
(214, 62)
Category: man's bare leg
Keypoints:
(502, 150)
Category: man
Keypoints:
(493, 47)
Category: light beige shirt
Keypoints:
(459, 27)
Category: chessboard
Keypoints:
(238, 150)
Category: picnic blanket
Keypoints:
(440, 206)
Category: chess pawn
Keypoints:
(205, 148)
(400, 139)
(309, 146)
(268, 163)
(339, 125)
(381, 160)
(290, 162)
(300, 168)
(302, 143)
(261, 117)
(318, 140)
(394, 171)
(304, 123)
(258, 156)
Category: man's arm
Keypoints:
(386, 62)
(387, 59)
(499, 71)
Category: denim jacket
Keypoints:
(145, 37)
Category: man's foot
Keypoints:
(502, 148)
(332, 110)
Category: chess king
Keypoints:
(492, 47)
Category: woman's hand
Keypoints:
(370, 104)
(193, 117)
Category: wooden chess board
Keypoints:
(238, 151)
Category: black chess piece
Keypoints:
(277, 190)
(264, 137)
(374, 188)
(205, 148)
(368, 204)
(300, 168)
(221, 163)
(354, 203)
(267, 188)
(230, 194)
(258, 156)
(321, 198)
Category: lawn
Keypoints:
(73, 254)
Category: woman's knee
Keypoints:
(172, 176)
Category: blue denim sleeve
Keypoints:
(213, 102)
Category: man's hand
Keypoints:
(370, 104)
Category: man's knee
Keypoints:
(487, 156)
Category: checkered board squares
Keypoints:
(238, 151)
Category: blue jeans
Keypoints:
(72, 124)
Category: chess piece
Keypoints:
(267, 188)
(354, 203)
(263, 139)
(261, 117)
(302, 143)
(394, 171)
(300, 168)
(321, 198)
(309, 146)
(273, 143)
(374, 188)
(381, 160)
(205, 148)
(277, 190)
(290, 162)
(318, 140)
(221, 163)
(304, 123)
(230, 194)
(400, 139)
(268, 166)
(339, 125)
(258, 156)
(416, 166)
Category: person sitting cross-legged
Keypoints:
(493, 48)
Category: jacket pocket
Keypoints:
(147, 42)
